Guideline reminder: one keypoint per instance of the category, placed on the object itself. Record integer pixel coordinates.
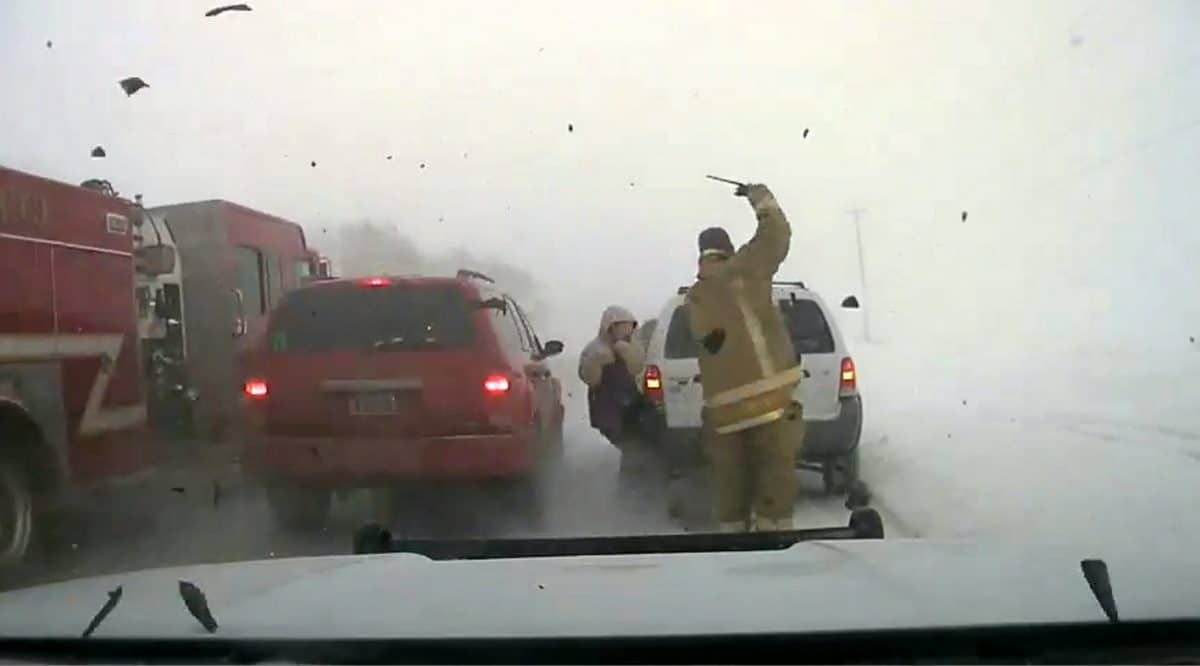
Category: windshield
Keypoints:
(379, 318)
(271, 272)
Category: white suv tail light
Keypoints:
(848, 382)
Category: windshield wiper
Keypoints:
(114, 597)
(197, 605)
(374, 538)
(406, 343)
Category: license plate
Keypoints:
(373, 404)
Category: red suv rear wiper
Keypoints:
(406, 343)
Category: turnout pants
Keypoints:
(754, 473)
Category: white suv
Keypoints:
(828, 390)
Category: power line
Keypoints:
(856, 213)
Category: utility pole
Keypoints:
(862, 272)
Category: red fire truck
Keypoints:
(103, 323)
(238, 263)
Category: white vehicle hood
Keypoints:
(811, 587)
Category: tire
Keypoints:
(372, 538)
(841, 471)
(16, 515)
(552, 445)
(523, 498)
(838, 473)
(298, 508)
(867, 524)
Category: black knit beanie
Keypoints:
(715, 238)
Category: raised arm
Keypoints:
(764, 253)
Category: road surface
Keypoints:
(1086, 454)
(180, 524)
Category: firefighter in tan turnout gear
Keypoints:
(749, 371)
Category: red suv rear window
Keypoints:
(398, 317)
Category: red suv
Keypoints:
(367, 383)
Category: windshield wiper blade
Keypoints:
(114, 597)
(374, 538)
(197, 605)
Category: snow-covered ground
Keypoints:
(1094, 447)
(1087, 448)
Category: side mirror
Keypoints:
(154, 259)
(552, 348)
(239, 313)
(850, 302)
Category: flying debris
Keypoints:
(964, 216)
(197, 605)
(570, 127)
(313, 164)
(422, 165)
(805, 135)
(217, 11)
(49, 44)
(389, 157)
(98, 151)
(132, 85)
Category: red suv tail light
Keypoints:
(375, 282)
(496, 385)
(849, 379)
(256, 388)
(652, 383)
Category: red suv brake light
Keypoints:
(375, 282)
(496, 385)
(256, 388)
(849, 378)
(652, 383)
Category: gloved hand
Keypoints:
(714, 340)
(755, 192)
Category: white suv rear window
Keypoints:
(679, 342)
(805, 321)
(807, 326)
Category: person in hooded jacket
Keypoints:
(611, 365)
(752, 426)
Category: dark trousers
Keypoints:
(642, 475)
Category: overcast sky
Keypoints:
(1069, 131)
